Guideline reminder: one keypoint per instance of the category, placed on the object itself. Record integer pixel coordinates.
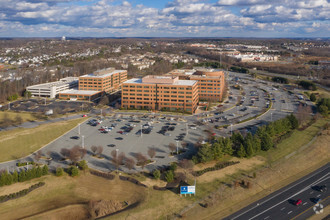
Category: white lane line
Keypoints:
(311, 192)
(283, 191)
(305, 203)
(289, 212)
(266, 218)
(318, 195)
(323, 178)
(282, 208)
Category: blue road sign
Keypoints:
(187, 190)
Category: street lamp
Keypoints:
(79, 128)
(117, 158)
(141, 130)
(271, 116)
(186, 128)
(177, 147)
(231, 129)
(83, 144)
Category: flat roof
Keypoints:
(103, 73)
(79, 92)
(179, 82)
(63, 81)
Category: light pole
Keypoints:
(79, 128)
(177, 147)
(231, 129)
(83, 144)
(117, 158)
(141, 130)
(186, 128)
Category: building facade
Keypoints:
(80, 95)
(160, 93)
(107, 80)
(211, 82)
(51, 90)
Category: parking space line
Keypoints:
(283, 208)
(305, 203)
(289, 212)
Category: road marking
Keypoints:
(282, 208)
(311, 192)
(318, 195)
(266, 217)
(305, 203)
(289, 212)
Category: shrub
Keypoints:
(59, 171)
(73, 171)
(156, 174)
(108, 176)
(83, 165)
(173, 166)
(169, 176)
(218, 166)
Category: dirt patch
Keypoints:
(245, 164)
(104, 207)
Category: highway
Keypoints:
(279, 205)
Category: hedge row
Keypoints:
(132, 180)
(218, 166)
(108, 176)
(24, 164)
(21, 193)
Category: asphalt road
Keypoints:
(279, 205)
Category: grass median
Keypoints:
(21, 142)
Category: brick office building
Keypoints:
(107, 80)
(211, 82)
(160, 93)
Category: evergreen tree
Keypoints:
(248, 144)
(59, 171)
(256, 144)
(266, 142)
(156, 174)
(21, 176)
(241, 152)
(73, 171)
(237, 139)
(44, 170)
(270, 129)
(293, 121)
(38, 171)
(8, 179)
(217, 150)
(3, 178)
(169, 176)
(227, 146)
(205, 153)
(15, 176)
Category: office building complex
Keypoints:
(51, 90)
(81, 95)
(211, 82)
(160, 93)
(107, 80)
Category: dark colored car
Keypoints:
(322, 188)
(111, 145)
(75, 137)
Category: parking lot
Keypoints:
(43, 105)
(125, 135)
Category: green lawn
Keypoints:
(21, 142)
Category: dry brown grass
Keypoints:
(65, 191)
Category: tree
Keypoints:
(99, 150)
(94, 149)
(293, 121)
(227, 146)
(73, 171)
(18, 119)
(156, 174)
(217, 150)
(76, 154)
(65, 153)
(151, 152)
(130, 163)
(44, 170)
(172, 147)
(141, 159)
(59, 171)
(173, 166)
(248, 144)
(38, 155)
(15, 176)
(312, 97)
(241, 151)
(169, 176)
(205, 153)
(83, 165)
(266, 142)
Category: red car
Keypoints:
(298, 202)
(120, 132)
(84, 116)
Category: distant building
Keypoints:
(63, 38)
(52, 89)
(160, 93)
(108, 80)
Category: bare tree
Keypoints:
(151, 152)
(65, 152)
(130, 163)
(94, 149)
(184, 144)
(114, 153)
(38, 155)
(121, 158)
(141, 159)
(99, 150)
(172, 147)
(76, 154)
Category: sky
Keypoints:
(165, 18)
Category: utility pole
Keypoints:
(186, 128)
(83, 143)
(177, 147)
(79, 128)
(141, 130)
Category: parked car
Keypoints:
(75, 137)
(322, 188)
(316, 200)
(84, 116)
